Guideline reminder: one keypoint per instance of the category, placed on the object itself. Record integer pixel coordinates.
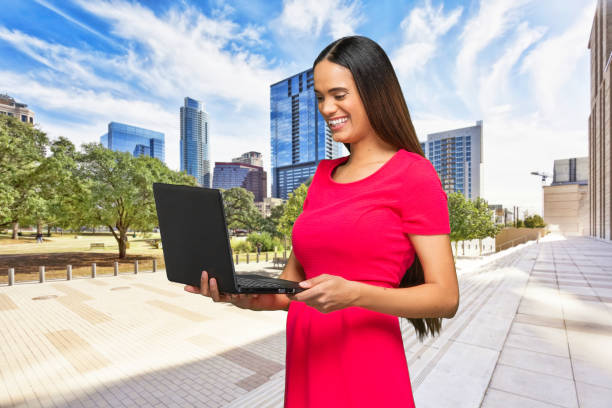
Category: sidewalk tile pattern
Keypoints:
(533, 329)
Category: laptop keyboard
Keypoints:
(256, 283)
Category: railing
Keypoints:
(42, 276)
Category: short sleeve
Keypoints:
(424, 202)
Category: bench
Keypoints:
(96, 245)
(279, 262)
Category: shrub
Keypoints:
(264, 239)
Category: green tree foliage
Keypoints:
(240, 209)
(61, 188)
(270, 224)
(22, 150)
(120, 189)
(519, 224)
(470, 219)
(460, 212)
(265, 240)
(293, 208)
(534, 221)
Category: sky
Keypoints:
(520, 66)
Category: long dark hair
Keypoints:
(388, 114)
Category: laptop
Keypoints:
(195, 238)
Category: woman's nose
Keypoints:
(327, 107)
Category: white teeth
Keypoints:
(337, 121)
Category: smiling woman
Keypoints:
(371, 244)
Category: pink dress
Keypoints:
(355, 357)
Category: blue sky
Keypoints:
(521, 66)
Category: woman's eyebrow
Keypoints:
(338, 88)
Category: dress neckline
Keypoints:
(344, 159)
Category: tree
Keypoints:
(534, 221)
(482, 224)
(270, 224)
(293, 208)
(460, 212)
(240, 209)
(61, 188)
(22, 149)
(120, 189)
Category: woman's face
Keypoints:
(340, 104)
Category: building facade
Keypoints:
(600, 123)
(457, 157)
(254, 158)
(9, 107)
(299, 136)
(234, 174)
(268, 203)
(135, 140)
(566, 200)
(195, 142)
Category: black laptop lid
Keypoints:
(194, 234)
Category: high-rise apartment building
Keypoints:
(194, 142)
(135, 140)
(457, 157)
(600, 123)
(300, 137)
(9, 107)
(235, 174)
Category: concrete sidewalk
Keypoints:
(534, 328)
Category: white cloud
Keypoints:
(494, 18)
(309, 17)
(552, 64)
(421, 30)
(494, 93)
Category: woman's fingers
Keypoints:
(204, 288)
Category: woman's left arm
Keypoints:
(437, 297)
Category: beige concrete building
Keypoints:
(600, 123)
(566, 200)
(9, 107)
(265, 206)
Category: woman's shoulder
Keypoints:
(413, 160)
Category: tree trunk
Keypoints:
(480, 246)
(122, 243)
(15, 230)
(49, 230)
(39, 228)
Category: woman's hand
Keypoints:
(244, 301)
(328, 293)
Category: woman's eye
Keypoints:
(340, 97)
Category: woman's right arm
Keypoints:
(293, 271)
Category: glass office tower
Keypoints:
(194, 142)
(300, 138)
(135, 140)
(457, 157)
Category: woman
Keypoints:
(371, 244)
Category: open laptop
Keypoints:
(195, 238)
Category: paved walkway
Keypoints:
(534, 329)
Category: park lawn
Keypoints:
(57, 251)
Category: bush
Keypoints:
(266, 241)
(241, 246)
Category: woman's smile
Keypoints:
(337, 123)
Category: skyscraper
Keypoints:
(135, 140)
(248, 176)
(299, 136)
(457, 157)
(194, 141)
(253, 158)
(600, 126)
